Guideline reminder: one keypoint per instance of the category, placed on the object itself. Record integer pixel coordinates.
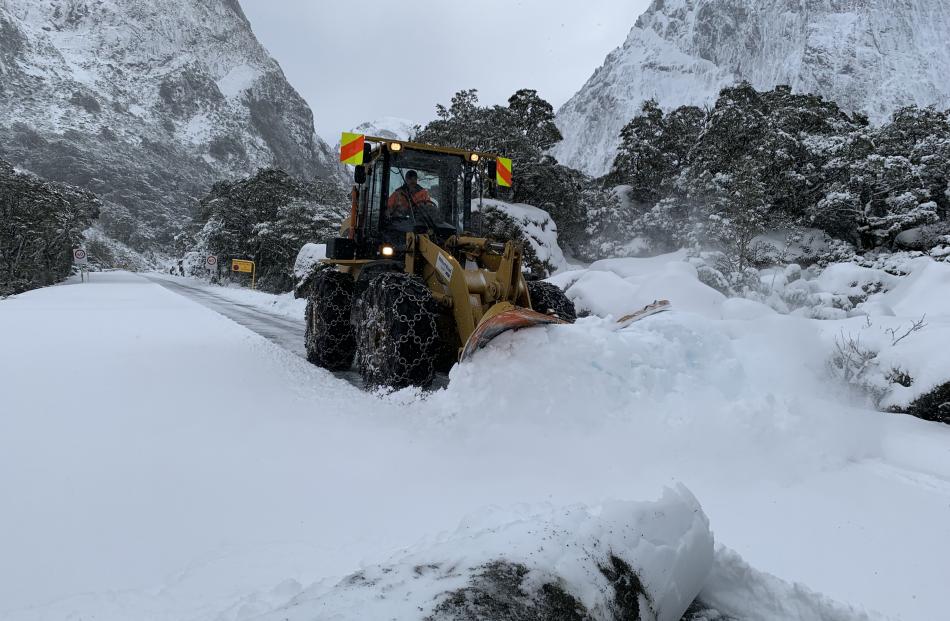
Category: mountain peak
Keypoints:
(871, 56)
(147, 104)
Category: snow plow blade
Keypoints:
(510, 318)
(515, 318)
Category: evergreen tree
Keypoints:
(654, 149)
(40, 223)
(267, 218)
(524, 131)
(770, 160)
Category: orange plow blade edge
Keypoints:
(514, 319)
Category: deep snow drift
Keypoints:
(187, 468)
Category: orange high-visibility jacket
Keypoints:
(399, 200)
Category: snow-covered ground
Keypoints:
(158, 461)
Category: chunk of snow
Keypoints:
(667, 543)
(309, 256)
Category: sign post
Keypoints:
(81, 258)
(245, 267)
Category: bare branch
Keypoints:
(917, 325)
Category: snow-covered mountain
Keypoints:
(868, 55)
(147, 103)
(387, 127)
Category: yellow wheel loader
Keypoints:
(409, 287)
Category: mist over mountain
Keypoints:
(871, 56)
(147, 104)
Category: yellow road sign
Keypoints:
(245, 267)
(240, 265)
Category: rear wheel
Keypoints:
(329, 336)
(397, 340)
(550, 300)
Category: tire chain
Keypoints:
(398, 337)
(548, 298)
(329, 335)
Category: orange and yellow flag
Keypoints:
(351, 148)
(503, 171)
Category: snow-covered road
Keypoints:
(158, 461)
(285, 331)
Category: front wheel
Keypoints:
(329, 336)
(550, 300)
(397, 341)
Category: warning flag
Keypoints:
(503, 172)
(351, 148)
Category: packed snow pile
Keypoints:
(871, 56)
(621, 560)
(616, 287)
(527, 224)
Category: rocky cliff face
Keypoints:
(147, 104)
(868, 55)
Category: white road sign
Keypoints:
(211, 262)
(80, 257)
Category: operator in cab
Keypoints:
(407, 196)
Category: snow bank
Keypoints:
(925, 291)
(580, 551)
(738, 591)
(870, 304)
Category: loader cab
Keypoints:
(446, 177)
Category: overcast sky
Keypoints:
(360, 61)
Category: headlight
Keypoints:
(395, 146)
(473, 157)
(387, 250)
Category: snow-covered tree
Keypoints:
(40, 223)
(524, 130)
(267, 218)
(777, 159)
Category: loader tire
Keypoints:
(329, 336)
(397, 341)
(550, 300)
